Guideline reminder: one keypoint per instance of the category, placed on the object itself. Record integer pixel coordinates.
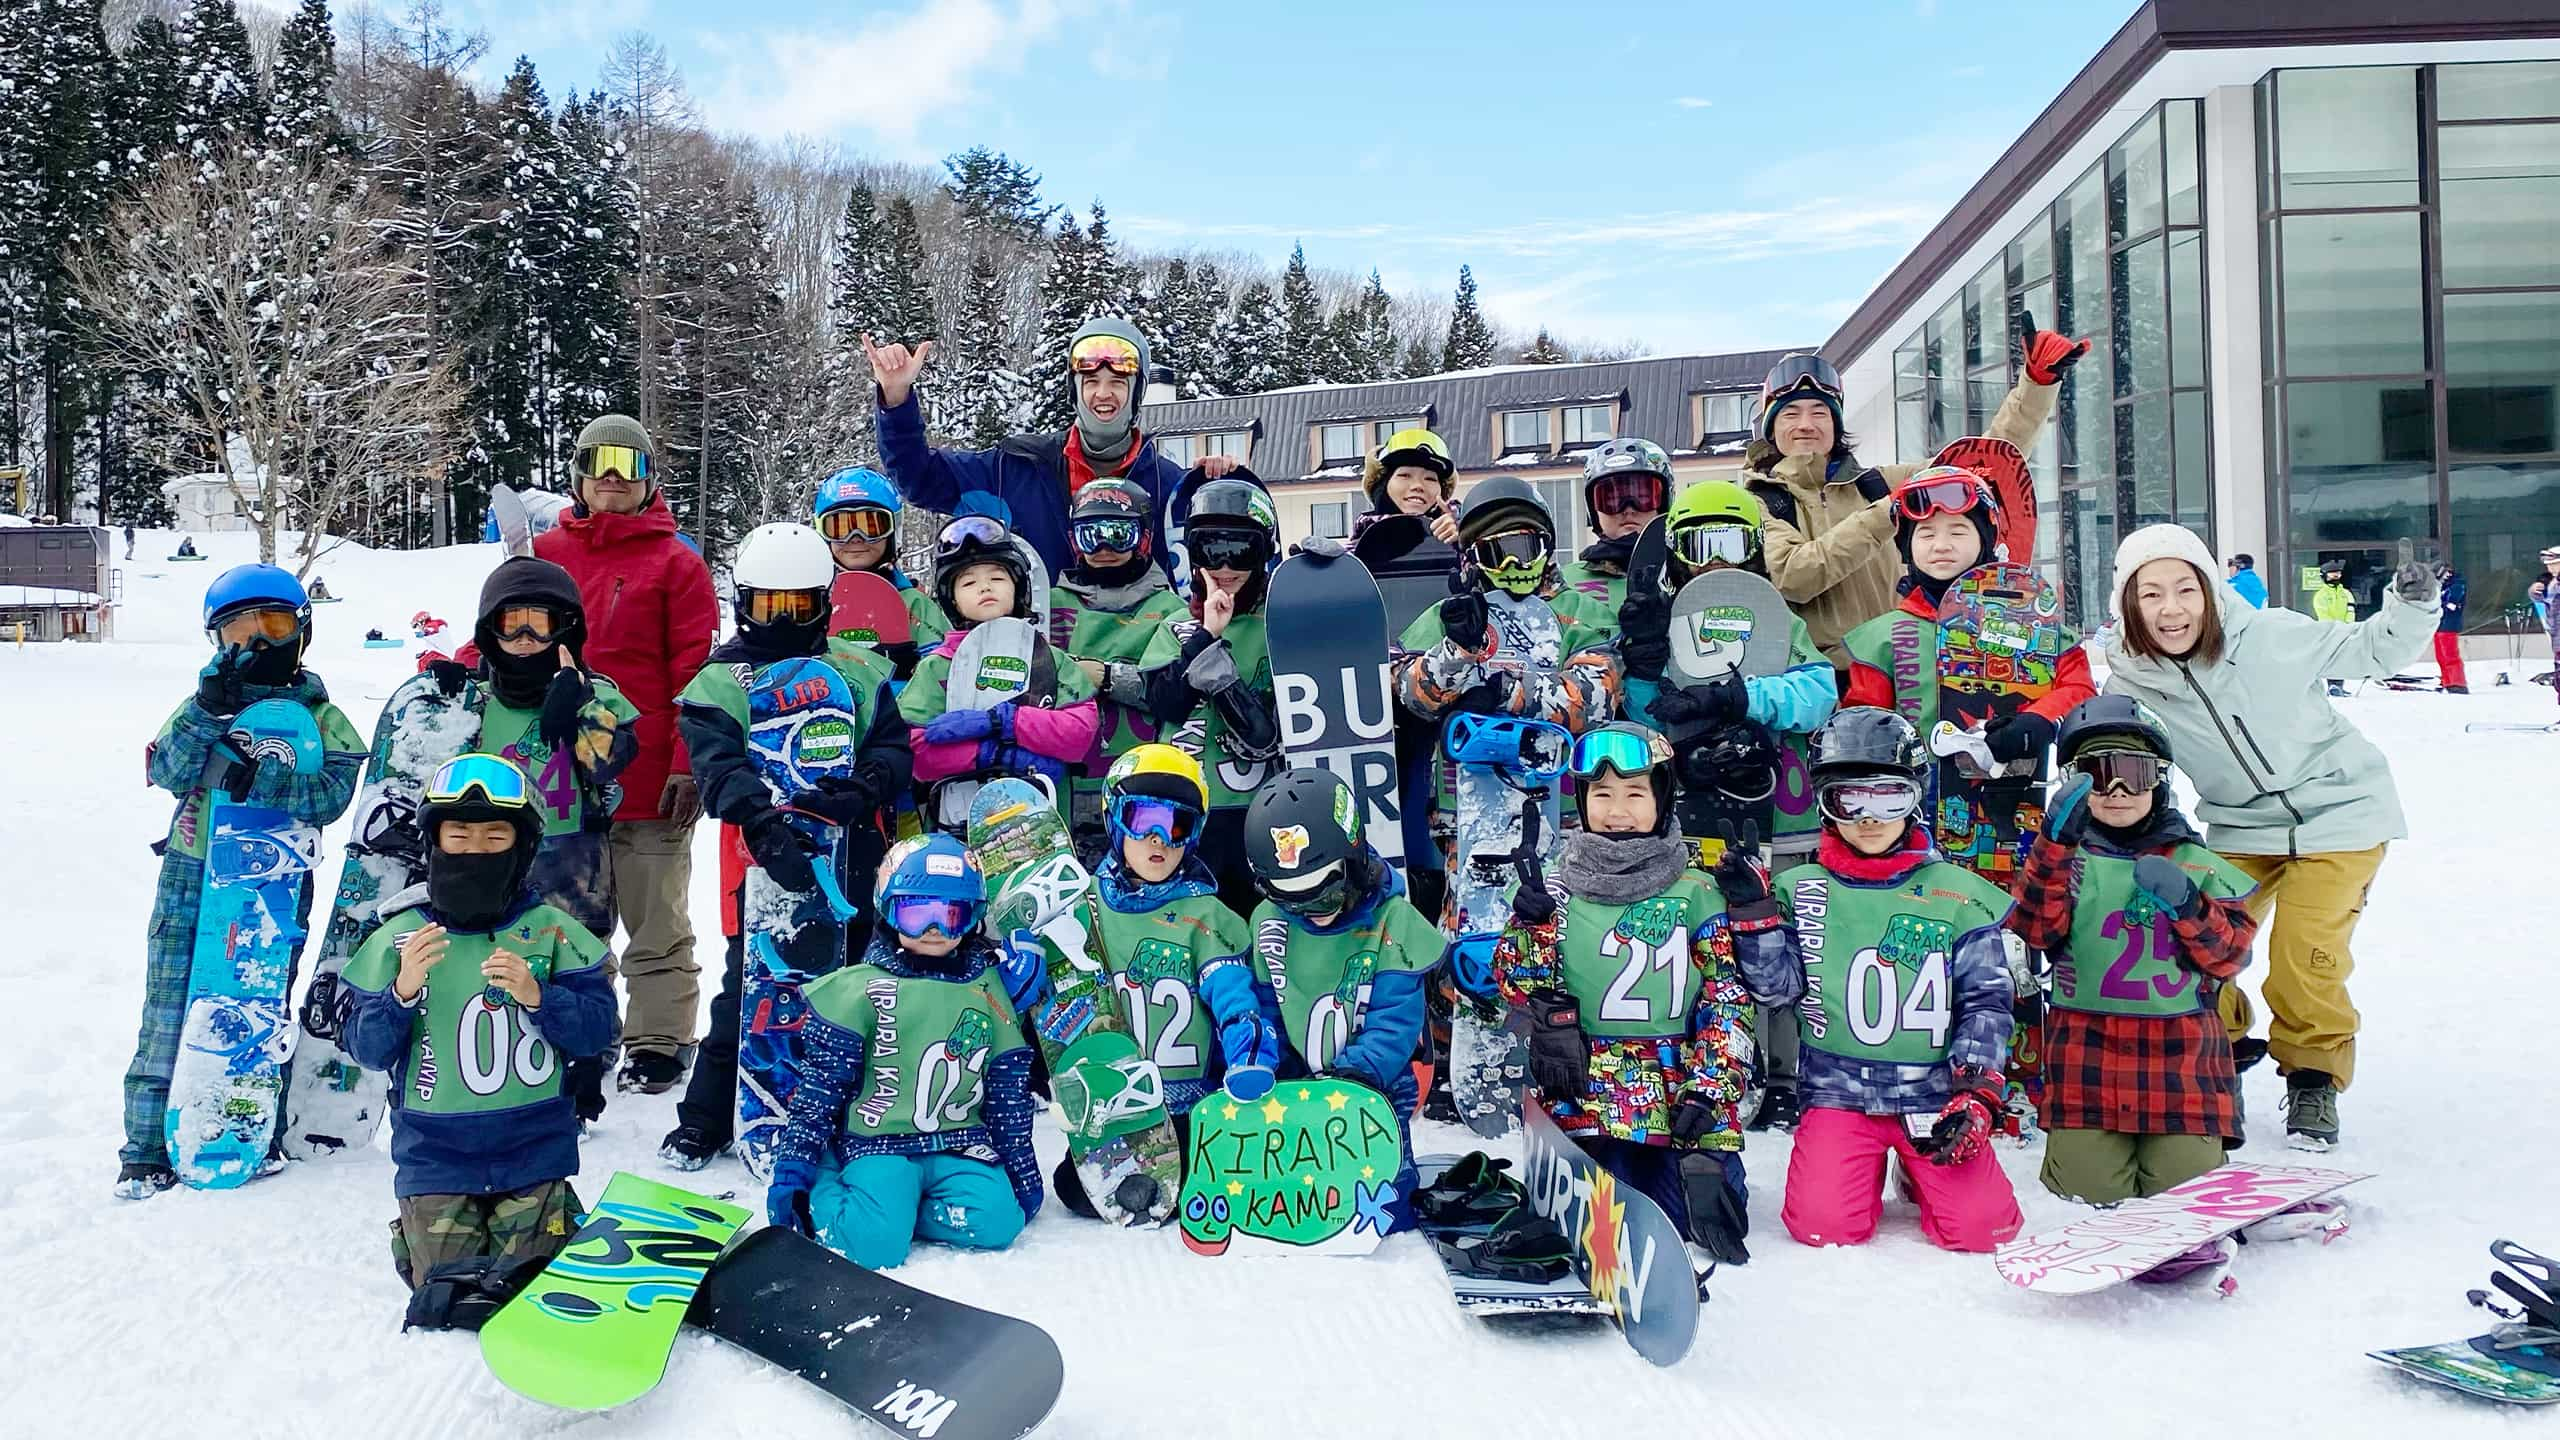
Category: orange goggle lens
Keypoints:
(857, 524)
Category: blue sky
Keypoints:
(1698, 176)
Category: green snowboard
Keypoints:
(594, 1328)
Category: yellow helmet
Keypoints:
(1416, 446)
(1165, 771)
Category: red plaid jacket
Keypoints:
(2135, 1074)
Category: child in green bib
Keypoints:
(1339, 956)
(474, 997)
(1105, 611)
(912, 1120)
(1897, 965)
(2144, 925)
(1621, 971)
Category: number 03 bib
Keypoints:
(1878, 963)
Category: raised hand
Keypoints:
(420, 952)
(894, 368)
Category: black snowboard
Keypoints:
(1411, 567)
(1328, 635)
(908, 1361)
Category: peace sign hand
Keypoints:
(894, 368)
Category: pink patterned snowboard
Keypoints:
(2115, 1245)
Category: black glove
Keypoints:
(1964, 1125)
(1678, 707)
(220, 685)
(239, 775)
(1717, 1219)
(1726, 699)
(845, 799)
(1559, 1053)
(568, 695)
(451, 676)
(1644, 629)
(1740, 875)
(1531, 904)
(1691, 1118)
(780, 850)
(2169, 887)
(1871, 486)
(902, 657)
(1465, 618)
(2017, 737)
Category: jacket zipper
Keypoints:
(2291, 850)
(612, 603)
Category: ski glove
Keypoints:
(2049, 354)
(1025, 969)
(780, 850)
(1466, 619)
(1717, 1219)
(220, 687)
(1964, 1126)
(1559, 1053)
(953, 726)
(1740, 875)
(2169, 887)
(2066, 815)
(451, 676)
(1531, 904)
(1693, 1117)
(2417, 584)
(2016, 737)
(1871, 486)
(786, 1196)
(844, 799)
(239, 775)
(567, 698)
(1644, 628)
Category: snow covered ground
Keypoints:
(274, 1310)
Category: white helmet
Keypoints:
(784, 556)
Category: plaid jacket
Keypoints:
(2137, 1074)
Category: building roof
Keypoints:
(1653, 394)
(2156, 29)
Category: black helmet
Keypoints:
(974, 540)
(1235, 500)
(474, 892)
(2117, 718)
(1865, 740)
(1625, 455)
(1500, 502)
(1302, 842)
(523, 581)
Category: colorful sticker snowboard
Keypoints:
(1308, 1169)
(2113, 1246)
(2000, 636)
(2005, 467)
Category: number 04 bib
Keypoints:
(1878, 963)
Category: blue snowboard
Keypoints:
(803, 728)
(228, 1080)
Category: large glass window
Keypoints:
(2352, 302)
(2511, 91)
(1341, 444)
(1589, 424)
(2501, 204)
(1524, 430)
(2347, 137)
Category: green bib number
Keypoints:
(508, 731)
(1637, 960)
(472, 1056)
(1878, 983)
(2124, 957)
(928, 1046)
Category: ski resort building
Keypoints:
(2317, 243)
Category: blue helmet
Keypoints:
(858, 487)
(934, 866)
(255, 587)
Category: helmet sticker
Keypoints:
(1345, 814)
(1288, 842)
(947, 865)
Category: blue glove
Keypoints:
(2169, 887)
(1250, 1048)
(952, 726)
(786, 1196)
(2066, 815)
(1025, 968)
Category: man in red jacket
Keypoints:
(651, 618)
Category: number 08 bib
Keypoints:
(1879, 976)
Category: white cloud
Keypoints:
(1693, 102)
(1816, 225)
(885, 78)
(523, 26)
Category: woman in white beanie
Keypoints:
(2289, 792)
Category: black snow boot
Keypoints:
(141, 1181)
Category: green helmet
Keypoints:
(1699, 527)
(1713, 502)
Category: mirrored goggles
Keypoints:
(2122, 772)
(790, 607)
(496, 778)
(1515, 548)
(1103, 352)
(1640, 492)
(915, 915)
(528, 622)
(1802, 372)
(1152, 817)
(985, 529)
(242, 627)
(1319, 892)
(1699, 546)
(1877, 797)
(1619, 750)
(1224, 550)
(624, 460)
(1096, 536)
(863, 523)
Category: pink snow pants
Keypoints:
(1835, 1185)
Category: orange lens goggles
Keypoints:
(1103, 352)
(857, 524)
(789, 606)
(243, 626)
(531, 622)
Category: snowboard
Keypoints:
(2000, 635)
(1328, 637)
(227, 1083)
(907, 1360)
(997, 663)
(332, 1107)
(1411, 566)
(2496, 727)
(2519, 1362)
(515, 527)
(868, 610)
(2117, 1244)
(1110, 1096)
(1627, 1253)
(1489, 1295)
(2005, 466)
(1309, 1169)
(1724, 623)
(1507, 816)
(803, 728)
(593, 1330)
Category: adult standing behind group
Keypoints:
(1828, 531)
(651, 617)
(2289, 792)
(1037, 476)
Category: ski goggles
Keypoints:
(984, 529)
(1512, 549)
(916, 915)
(1119, 537)
(1699, 546)
(1944, 489)
(1103, 352)
(528, 622)
(1225, 550)
(496, 778)
(1640, 492)
(1622, 751)
(245, 627)
(627, 461)
(857, 523)
(1877, 797)
(1318, 892)
(1801, 372)
(1152, 817)
(2122, 772)
(790, 607)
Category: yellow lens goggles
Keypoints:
(1103, 352)
(788, 606)
(243, 626)
(865, 524)
(624, 460)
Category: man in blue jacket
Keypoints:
(1037, 476)
(2242, 571)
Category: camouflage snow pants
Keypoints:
(433, 1229)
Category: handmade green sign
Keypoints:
(1310, 1167)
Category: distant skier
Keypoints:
(2450, 676)
(2246, 582)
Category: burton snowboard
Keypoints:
(999, 661)
(1507, 807)
(2133, 1238)
(2519, 1362)
(1328, 636)
(2000, 635)
(1728, 623)
(1110, 1095)
(1411, 566)
(227, 1082)
(1309, 1169)
(866, 609)
(1490, 1295)
(803, 729)
(593, 1330)
(1626, 1252)
(515, 527)
(904, 1359)
(2005, 467)
(332, 1106)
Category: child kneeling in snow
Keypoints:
(474, 997)
(1896, 961)
(913, 1116)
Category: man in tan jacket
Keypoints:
(1828, 532)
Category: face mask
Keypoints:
(273, 666)
(521, 680)
(473, 892)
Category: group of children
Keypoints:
(1243, 914)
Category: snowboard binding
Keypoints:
(1473, 1194)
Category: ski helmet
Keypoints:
(868, 501)
(477, 890)
(1864, 740)
(271, 647)
(1947, 489)
(1159, 772)
(1496, 511)
(1626, 748)
(1302, 842)
(2112, 722)
(1712, 505)
(1416, 446)
(782, 573)
(1105, 504)
(522, 582)
(929, 882)
(1222, 510)
(1799, 377)
(978, 540)
(256, 587)
(1619, 462)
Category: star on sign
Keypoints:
(1368, 1172)
(1228, 1110)
(1335, 1100)
(1305, 1094)
(1235, 1187)
(1272, 1110)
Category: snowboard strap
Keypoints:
(2535, 1285)
(463, 1294)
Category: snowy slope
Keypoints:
(277, 1306)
